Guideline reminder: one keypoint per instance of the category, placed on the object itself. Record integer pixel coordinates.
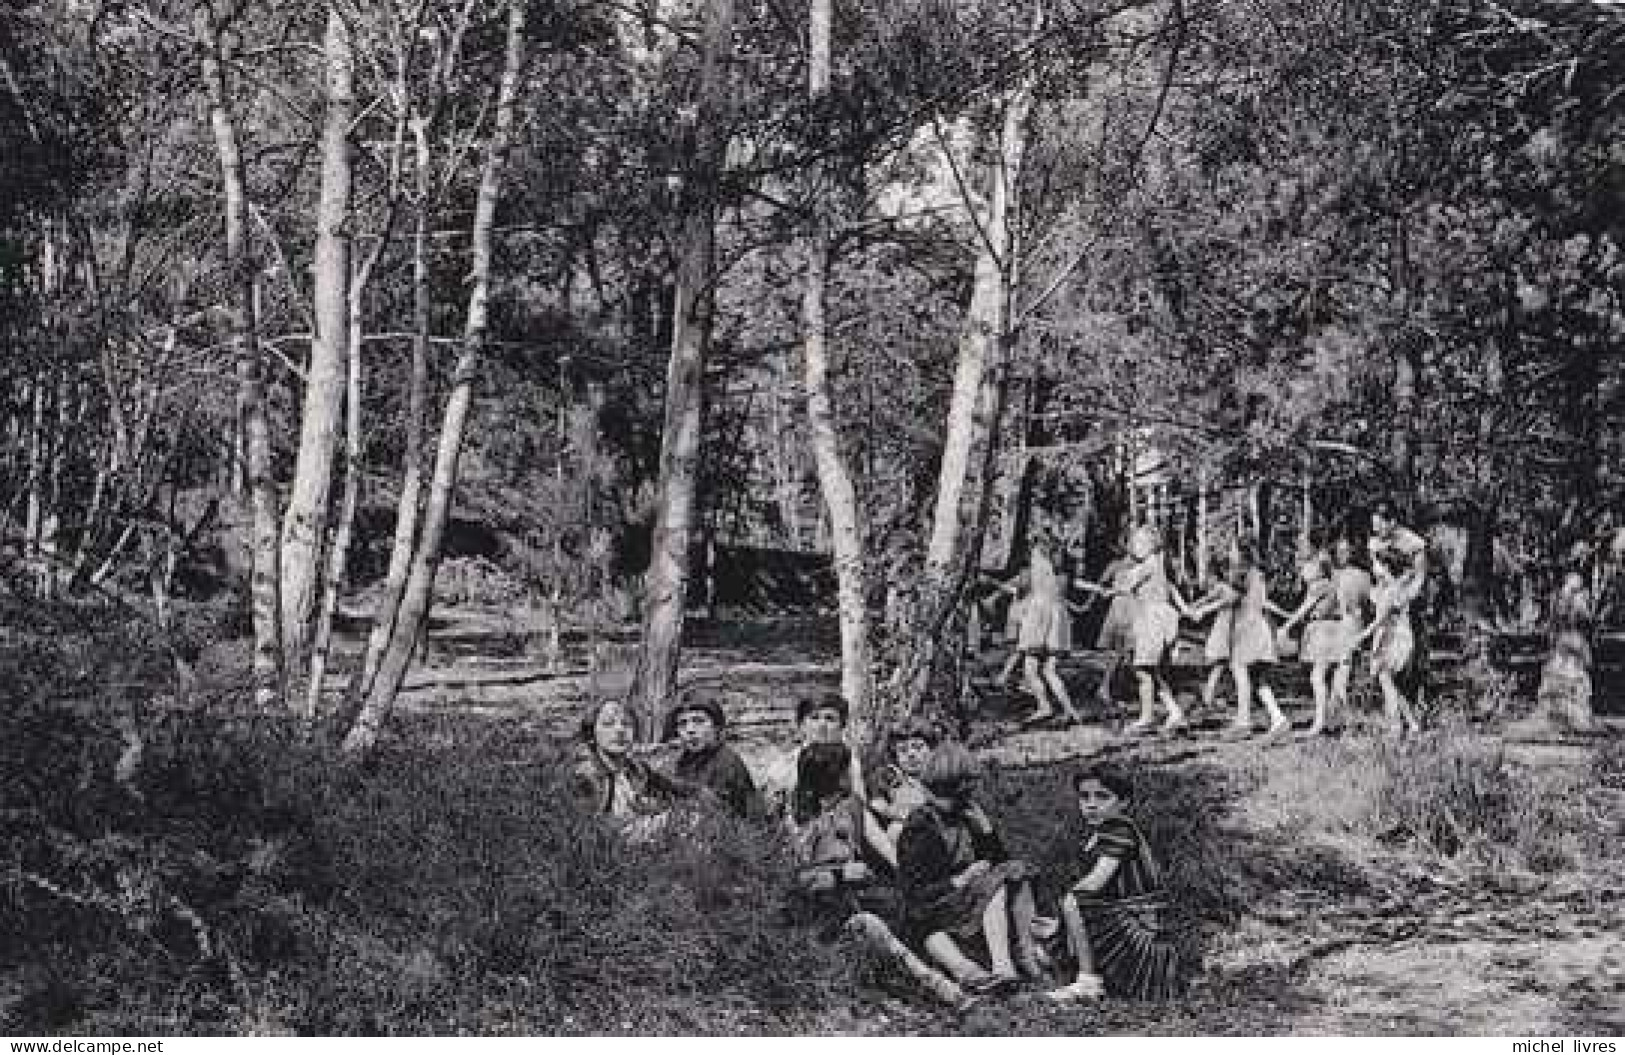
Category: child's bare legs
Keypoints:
(1243, 721)
(1052, 677)
(1086, 985)
(1032, 682)
(1340, 683)
(1401, 719)
(1145, 680)
(942, 948)
(1170, 703)
(1317, 684)
(873, 931)
(996, 929)
(1210, 688)
(1278, 721)
(1022, 911)
(1077, 937)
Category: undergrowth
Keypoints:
(203, 873)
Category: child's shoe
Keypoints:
(1087, 987)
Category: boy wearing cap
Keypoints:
(706, 761)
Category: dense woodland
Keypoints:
(299, 283)
(325, 312)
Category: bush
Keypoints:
(245, 881)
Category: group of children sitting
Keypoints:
(904, 854)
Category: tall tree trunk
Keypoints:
(34, 517)
(269, 685)
(847, 528)
(411, 494)
(666, 584)
(415, 601)
(304, 526)
(338, 553)
(972, 410)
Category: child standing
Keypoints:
(1353, 598)
(1044, 632)
(1221, 601)
(900, 792)
(1116, 638)
(1157, 606)
(707, 762)
(1393, 642)
(1323, 636)
(1114, 913)
(1252, 646)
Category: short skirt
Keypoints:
(1252, 640)
(1391, 652)
(1046, 626)
(1117, 632)
(1217, 649)
(1326, 641)
(1155, 628)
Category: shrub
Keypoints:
(244, 880)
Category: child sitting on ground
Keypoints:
(959, 882)
(1114, 913)
(820, 720)
(900, 792)
(836, 890)
(706, 762)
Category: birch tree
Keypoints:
(847, 527)
(306, 521)
(269, 672)
(666, 585)
(414, 607)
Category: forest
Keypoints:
(359, 352)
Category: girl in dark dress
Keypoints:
(1114, 914)
(837, 888)
(958, 881)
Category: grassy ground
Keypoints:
(233, 879)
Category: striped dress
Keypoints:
(1126, 919)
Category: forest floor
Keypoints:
(1457, 883)
(1352, 930)
(1357, 938)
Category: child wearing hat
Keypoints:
(705, 760)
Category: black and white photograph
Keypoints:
(812, 518)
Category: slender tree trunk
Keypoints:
(338, 553)
(411, 494)
(305, 524)
(666, 584)
(847, 528)
(269, 685)
(34, 517)
(972, 409)
(51, 523)
(414, 608)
